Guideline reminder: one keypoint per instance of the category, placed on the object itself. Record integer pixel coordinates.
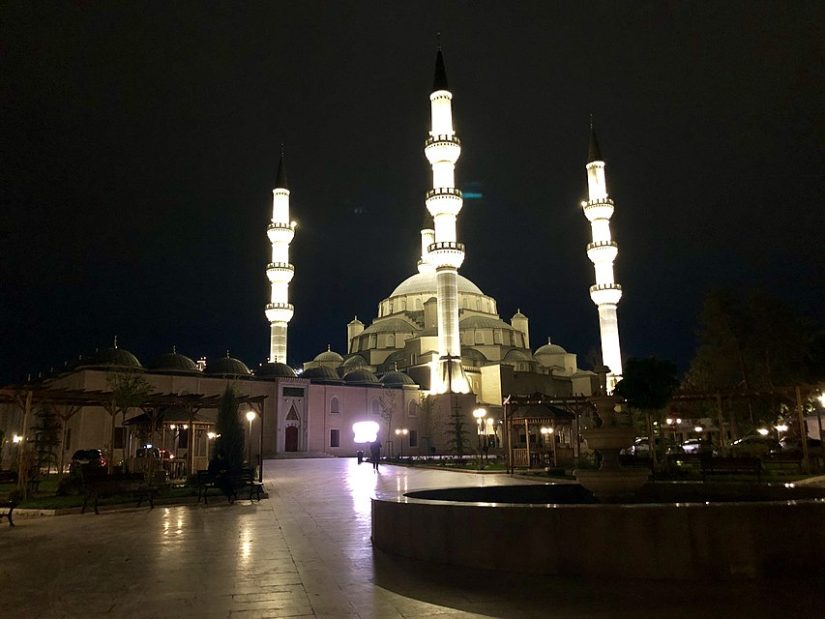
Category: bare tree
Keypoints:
(129, 390)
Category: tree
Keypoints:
(648, 385)
(751, 342)
(229, 430)
(456, 432)
(129, 389)
(389, 403)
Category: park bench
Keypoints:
(6, 510)
(96, 486)
(229, 483)
(731, 466)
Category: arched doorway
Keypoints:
(291, 439)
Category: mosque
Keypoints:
(437, 347)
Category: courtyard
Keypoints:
(306, 552)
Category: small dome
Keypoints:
(360, 376)
(329, 355)
(355, 322)
(518, 315)
(396, 359)
(517, 355)
(354, 361)
(484, 322)
(396, 378)
(275, 370)
(390, 325)
(112, 358)
(226, 366)
(550, 349)
(473, 355)
(174, 362)
(320, 373)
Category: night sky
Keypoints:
(140, 144)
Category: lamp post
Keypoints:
(479, 415)
(401, 432)
(250, 417)
(547, 434)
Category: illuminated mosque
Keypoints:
(436, 347)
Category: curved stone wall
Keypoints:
(690, 541)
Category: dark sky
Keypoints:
(140, 145)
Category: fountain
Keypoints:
(613, 432)
(612, 523)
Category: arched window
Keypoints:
(391, 340)
(376, 407)
(412, 409)
(479, 337)
(334, 406)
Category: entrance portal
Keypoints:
(291, 439)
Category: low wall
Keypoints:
(670, 541)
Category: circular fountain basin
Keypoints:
(688, 531)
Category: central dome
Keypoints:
(425, 282)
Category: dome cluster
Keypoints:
(173, 362)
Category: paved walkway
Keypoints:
(306, 552)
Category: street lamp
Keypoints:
(399, 432)
(250, 417)
(479, 414)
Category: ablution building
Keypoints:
(437, 347)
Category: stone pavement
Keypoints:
(306, 552)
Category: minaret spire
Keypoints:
(444, 253)
(602, 251)
(281, 231)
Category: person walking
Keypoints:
(375, 453)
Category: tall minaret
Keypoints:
(280, 232)
(602, 252)
(445, 253)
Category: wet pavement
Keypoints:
(306, 552)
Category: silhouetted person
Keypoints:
(375, 453)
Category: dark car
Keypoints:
(754, 445)
(641, 447)
(700, 446)
(93, 458)
(793, 447)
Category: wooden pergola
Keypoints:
(67, 402)
(539, 411)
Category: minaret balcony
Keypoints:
(446, 254)
(444, 201)
(598, 209)
(606, 294)
(442, 147)
(280, 232)
(280, 272)
(279, 312)
(602, 252)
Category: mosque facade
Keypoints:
(437, 346)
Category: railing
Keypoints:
(442, 137)
(281, 266)
(279, 226)
(598, 202)
(605, 287)
(287, 306)
(444, 191)
(601, 244)
(445, 245)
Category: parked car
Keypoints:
(641, 447)
(789, 446)
(700, 446)
(94, 458)
(754, 446)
